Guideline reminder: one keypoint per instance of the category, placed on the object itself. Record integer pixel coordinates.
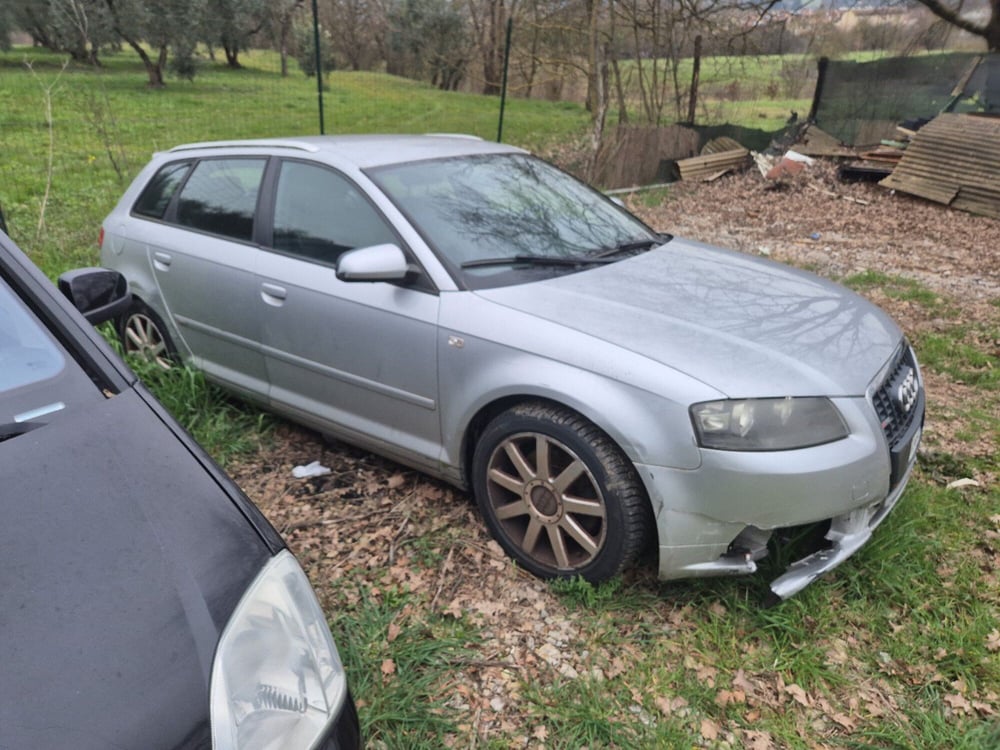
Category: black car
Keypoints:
(145, 602)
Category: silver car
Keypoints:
(472, 311)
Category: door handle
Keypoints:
(273, 294)
(161, 260)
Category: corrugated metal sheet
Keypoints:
(714, 165)
(955, 160)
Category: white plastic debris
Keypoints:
(959, 483)
(315, 469)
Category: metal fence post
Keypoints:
(503, 85)
(319, 67)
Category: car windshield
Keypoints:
(37, 377)
(494, 218)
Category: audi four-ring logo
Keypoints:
(906, 393)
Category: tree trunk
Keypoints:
(154, 69)
(695, 73)
(232, 53)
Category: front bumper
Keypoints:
(718, 519)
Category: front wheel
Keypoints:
(143, 333)
(558, 494)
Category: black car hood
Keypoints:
(121, 560)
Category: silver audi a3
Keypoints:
(472, 311)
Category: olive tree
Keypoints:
(231, 24)
(78, 28)
(170, 28)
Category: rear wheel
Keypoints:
(558, 494)
(142, 332)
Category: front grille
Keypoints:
(891, 398)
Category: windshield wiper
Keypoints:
(631, 246)
(536, 260)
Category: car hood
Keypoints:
(745, 326)
(121, 560)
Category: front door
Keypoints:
(356, 359)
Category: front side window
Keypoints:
(319, 214)
(220, 197)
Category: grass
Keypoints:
(224, 427)
(894, 649)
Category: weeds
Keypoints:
(224, 427)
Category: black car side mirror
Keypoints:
(99, 293)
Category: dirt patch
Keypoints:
(838, 229)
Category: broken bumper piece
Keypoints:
(847, 534)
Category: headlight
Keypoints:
(277, 680)
(767, 424)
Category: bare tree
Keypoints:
(955, 13)
(488, 21)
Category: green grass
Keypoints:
(402, 705)
(225, 427)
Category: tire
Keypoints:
(558, 494)
(142, 332)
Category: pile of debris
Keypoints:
(953, 159)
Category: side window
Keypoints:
(319, 214)
(156, 197)
(221, 197)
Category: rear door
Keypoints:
(204, 262)
(357, 359)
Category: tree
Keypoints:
(78, 28)
(488, 20)
(427, 40)
(231, 23)
(279, 26)
(6, 26)
(954, 13)
(166, 26)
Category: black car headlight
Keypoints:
(767, 424)
(277, 679)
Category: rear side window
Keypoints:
(319, 214)
(220, 197)
(156, 197)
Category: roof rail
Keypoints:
(276, 143)
(454, 135)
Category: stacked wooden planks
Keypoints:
(955, 160)
(714, 163)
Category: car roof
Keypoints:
(367, 150)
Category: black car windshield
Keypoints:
(495, 219)
(38, 378)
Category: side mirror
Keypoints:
(99, 293)
(375, 263)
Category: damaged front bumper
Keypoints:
(694, 544)
(847, 534)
